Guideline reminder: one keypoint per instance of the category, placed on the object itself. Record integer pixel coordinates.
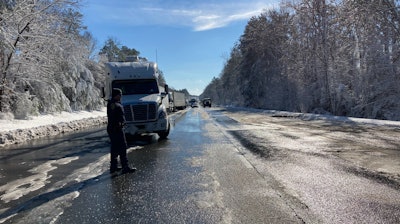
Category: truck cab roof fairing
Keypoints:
(139, 70)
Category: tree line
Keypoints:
(48, 61)
(319, 56)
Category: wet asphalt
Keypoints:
(203, 173)
(195, 176)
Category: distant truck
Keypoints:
(178, 100)
(143, 99)
(206, 102)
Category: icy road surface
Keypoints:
(343, 170)
(217, 166)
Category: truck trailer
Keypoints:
(144, 100)
(178, 100)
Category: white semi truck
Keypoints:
(143, 99)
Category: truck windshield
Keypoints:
(131, 87)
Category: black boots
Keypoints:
(128, 169)
(114, 169)
(123, 170)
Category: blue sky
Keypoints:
(190, 40)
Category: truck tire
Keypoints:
(164, 134)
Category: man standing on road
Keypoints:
(116, 121)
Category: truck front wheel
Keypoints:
(164, 134)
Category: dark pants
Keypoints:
(118, 148)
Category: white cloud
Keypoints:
(207, 22)
(200, 17)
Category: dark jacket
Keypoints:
(116, 117)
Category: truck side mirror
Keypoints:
(166, 89)
(103, 92)
(163, 95)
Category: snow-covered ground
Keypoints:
(17, 131)
(309, 116)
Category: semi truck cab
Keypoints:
(142, 96)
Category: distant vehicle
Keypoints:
(206, 102)
(193, 103)
(178, 100)
(145, 102)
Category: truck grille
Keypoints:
(140, 112)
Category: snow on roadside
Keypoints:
(18, 131)
(309, 116)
